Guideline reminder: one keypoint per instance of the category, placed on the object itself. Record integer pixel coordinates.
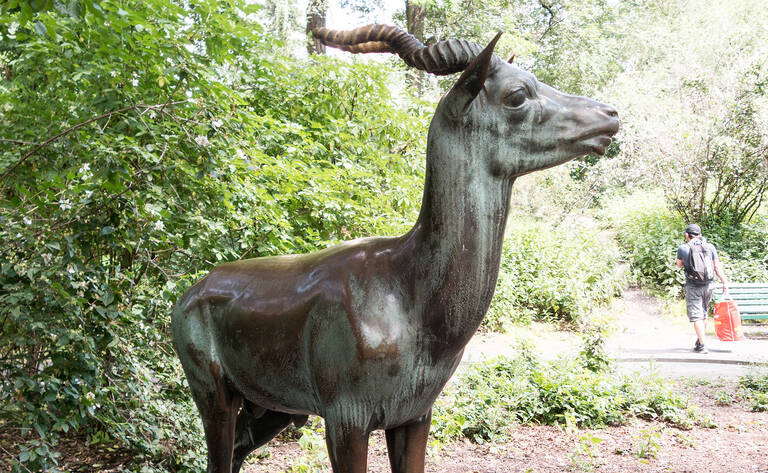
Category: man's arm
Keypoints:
(679, 262)
(721, 274)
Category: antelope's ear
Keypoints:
(473, 78)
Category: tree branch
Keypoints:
(78, 126)
(18, 142)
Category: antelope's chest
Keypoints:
(390, 392)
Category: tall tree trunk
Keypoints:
(415, 13)
(316, 10)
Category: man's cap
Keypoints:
(693, 229)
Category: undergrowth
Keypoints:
(584, 391)
(553, 272)
(493, 397)
(649, 234)
(755, 388)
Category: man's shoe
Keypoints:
(700, 348)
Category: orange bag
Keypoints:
(728, 321)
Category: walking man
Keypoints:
(700, 261)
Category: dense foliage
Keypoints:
(142, 143)
(650, 233)
(555, 272)
(491, 398)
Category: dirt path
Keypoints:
(644, 334)
(737, 445)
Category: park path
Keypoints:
(642, 337)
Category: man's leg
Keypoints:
(695, 297)
(701, 329)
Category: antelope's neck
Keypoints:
(457, 243)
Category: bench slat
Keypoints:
(751, 298)
(719, 287)
(748, 284)
(763, 294)
(754, 309)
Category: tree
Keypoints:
(415, 14)
(692, 94)
(726, 180)
(316, 11)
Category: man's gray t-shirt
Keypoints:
(684, 254)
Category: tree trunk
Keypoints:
(415, 13)
(316, 11)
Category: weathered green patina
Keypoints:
(367, 333)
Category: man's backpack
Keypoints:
(702, 268)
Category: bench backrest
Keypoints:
(752, 298)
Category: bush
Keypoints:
(743, 249)
(553, 272)
(490, 398)
(209, 149)
(649, 235)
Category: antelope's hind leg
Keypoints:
(218, 404)
(217, 401)
(255, 427)
(407, 445)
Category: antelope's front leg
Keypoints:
(407, 445)
(347, 447)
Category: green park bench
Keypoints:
(751, 298)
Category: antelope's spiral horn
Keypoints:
(441, 58)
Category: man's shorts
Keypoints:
(697, 299)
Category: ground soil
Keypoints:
(737, 444)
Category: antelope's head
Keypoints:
(495, 110)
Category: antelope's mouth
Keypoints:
(597, 141)
(598, 144)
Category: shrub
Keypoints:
(743, 249)
(649, 235)
(553, 272)
(210, 149)
(490, 398)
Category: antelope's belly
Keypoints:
(388, 393)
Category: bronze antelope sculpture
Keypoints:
(367, 333)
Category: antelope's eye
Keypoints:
(516, 98)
